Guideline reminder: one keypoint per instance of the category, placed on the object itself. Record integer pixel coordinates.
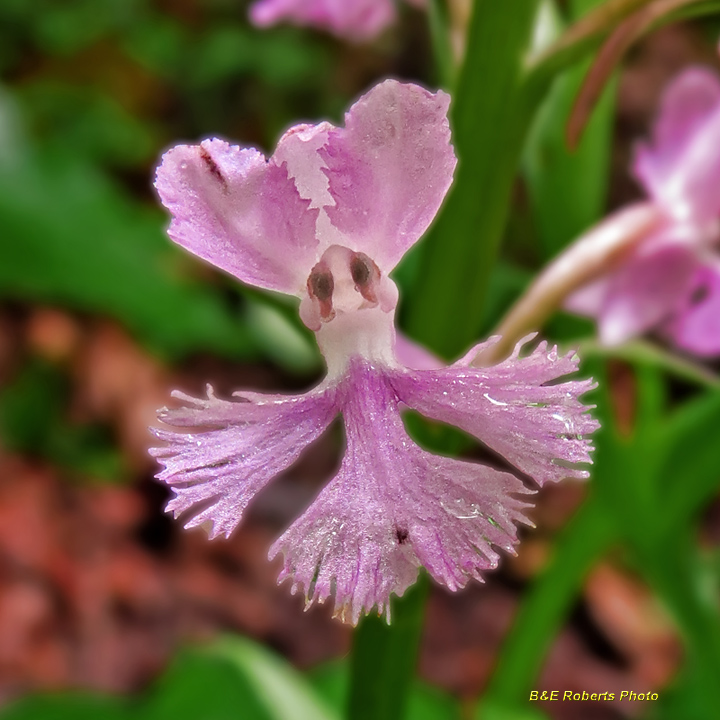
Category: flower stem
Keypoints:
(490, 115)
(384, 656)
(586, 259)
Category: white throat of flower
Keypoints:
(350, 305)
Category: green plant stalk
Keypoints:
(672, 569)
(442, 50)
(568, 187)
(382, 663)
(490, 115)
(488, 97)
(643, 353)
(589, 32)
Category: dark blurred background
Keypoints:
(100, 317)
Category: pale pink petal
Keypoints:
(646, 291)
(393, 507)
(681, 168)
(234, 448)
(516, 408)
(389, 169)
(696, 326)
(589, 299)
(352, 19)
(239, 212)
(411, 354)
(299, 149)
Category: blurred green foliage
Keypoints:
(93, 93)
(228, 679)
(71, 237)
(33, 409)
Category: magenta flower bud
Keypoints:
(326, 219)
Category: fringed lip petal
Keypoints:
(216, 472)
(227, 202)
(389, 168)
(518, 408)
(681, 167)
(393, 507)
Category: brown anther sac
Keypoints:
(365, 274)
(359, 270)
(321, 285)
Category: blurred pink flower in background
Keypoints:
(669, 282)
(352, 19)
(326, 218)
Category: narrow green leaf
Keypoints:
(690, 472)
(331, 681)
(581, 37)
(281, 689)
(567, 187)
(590, 31)
(641, 352)
(202, 683)
(504, 711)
(442, 49)
(643, 494)
(588, 535)
(383, 658)
(68, 706)
(674, 571)
(490, 116)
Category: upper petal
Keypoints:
(389, 168)
(393, 507)
(540, 428)
(234, 449)
(681, 168)
(239, 212)
(696, 325)
(353, 19)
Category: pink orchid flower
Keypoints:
(357, 20)
(670, 281)
(326, 219)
